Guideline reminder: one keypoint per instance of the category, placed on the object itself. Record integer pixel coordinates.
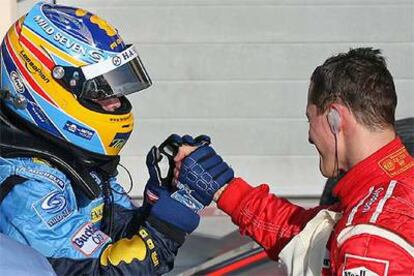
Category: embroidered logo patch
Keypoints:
(364, 266)
(88, 239)
(48, 176)
(397, 162)
(374, 196)
(97, 213)
(53, 208)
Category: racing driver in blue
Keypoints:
(64, 118)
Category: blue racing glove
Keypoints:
(157, 197)
(204, 172)
(169, 148)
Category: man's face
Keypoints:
(322, 137)
(110, 104)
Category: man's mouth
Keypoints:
(109, 104)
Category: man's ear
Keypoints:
(334, 120)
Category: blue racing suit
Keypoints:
(45, 212)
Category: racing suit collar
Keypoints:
(18, 139)
(381, 165)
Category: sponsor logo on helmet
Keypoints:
(129, 53)
(95, 55)
(17, 82)
(122, 58)
(88, 239)
(78, 130)
(125, 118)
(67, 42)
(116, 43)
(116, 61)
(53, 208)
(44, 25)
(119, 140)
(76, 47)
(34, 67)
(38, 114)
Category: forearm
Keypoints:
(146, 252)
(271, 221)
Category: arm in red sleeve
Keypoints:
(378, 253)
(271, 221)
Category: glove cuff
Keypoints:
(176, 214)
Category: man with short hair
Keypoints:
(351, 107)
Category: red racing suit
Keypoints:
(375, 232)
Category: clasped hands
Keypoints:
(198, 170)
(202, 170)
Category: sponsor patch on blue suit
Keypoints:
(53, 208)
(78, 130)
(51, 177)
(88, 239)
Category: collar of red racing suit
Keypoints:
(388, 162)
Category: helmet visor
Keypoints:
(125, 79)
(120, 75)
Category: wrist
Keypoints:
(231, 199)
(217, 195)
(175, 213)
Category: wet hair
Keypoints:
(360, 80)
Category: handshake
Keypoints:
(195, 173)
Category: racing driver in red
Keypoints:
(351, 113)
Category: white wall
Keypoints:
(8, 14)
(239, 70)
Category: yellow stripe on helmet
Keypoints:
(37, 40)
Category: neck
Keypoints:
(362, 143)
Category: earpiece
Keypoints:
(334, 120)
